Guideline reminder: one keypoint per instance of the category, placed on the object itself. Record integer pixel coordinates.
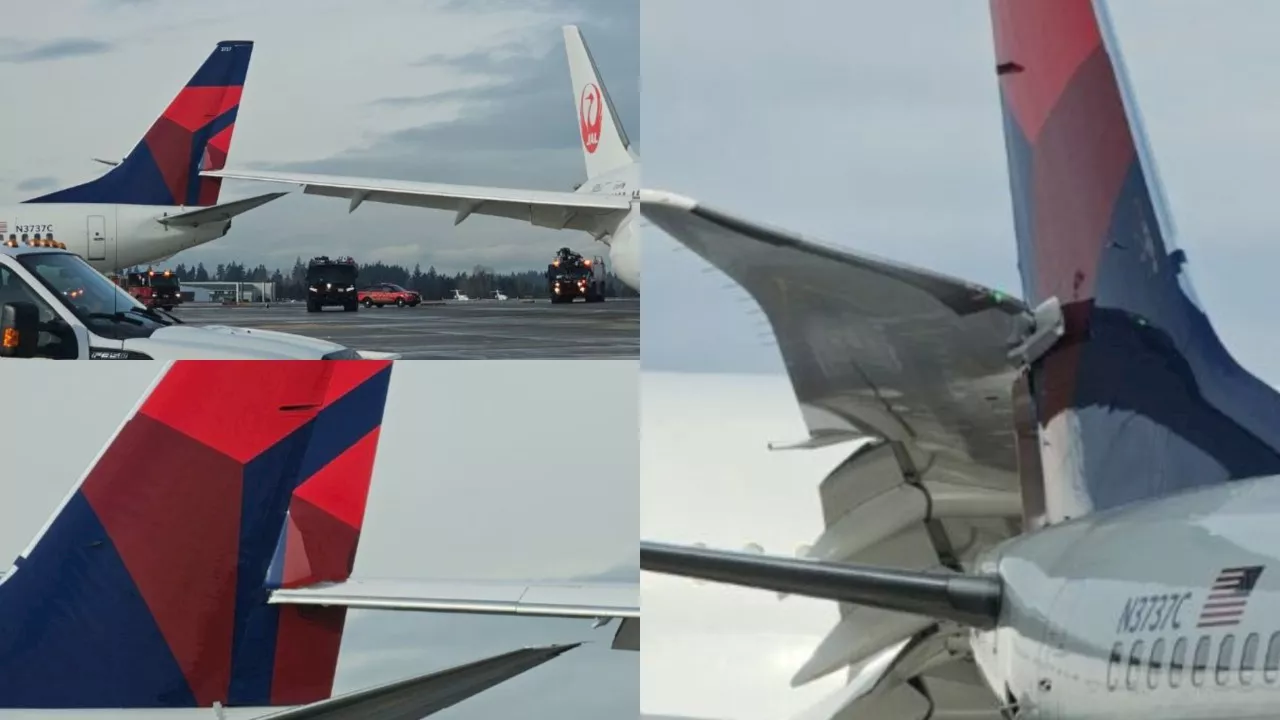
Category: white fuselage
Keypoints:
(623, 236)
(1134, 583)
(717, 652)
(110, 237)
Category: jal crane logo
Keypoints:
(590, 115)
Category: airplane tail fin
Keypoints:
(605, 144)
(1137, 397)
(192, 135)
(148, 588)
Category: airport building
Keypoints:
(212, 291)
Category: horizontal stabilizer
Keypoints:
(571, 600)
(425, 695)
(965, 599)
(219, 213)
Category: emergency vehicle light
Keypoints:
(11, 337)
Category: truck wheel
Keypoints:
(368, 302)
(311, 307)
(400, 302)
(351, 307)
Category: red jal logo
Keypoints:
(590, 115)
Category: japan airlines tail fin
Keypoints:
(605, 145)
(1136, 397)
(192, 135)
(149, 586)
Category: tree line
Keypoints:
(433, 285)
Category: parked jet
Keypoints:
(602, 206)
(1068, 501)
(154, 586)
(154, 203)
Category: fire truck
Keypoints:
(152, 288)
(332, 282)
(570, 275)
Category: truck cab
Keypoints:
(571, 276)
(54, 305)
(332, 282)
(151, 288)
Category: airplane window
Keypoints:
(1200, 661)
(1225, 651)
(1249, 659)
(1156, 663)
(1113, 677)
(1135, 660)
(1176, 660)
(1271, 666)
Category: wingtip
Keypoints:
(666, 199)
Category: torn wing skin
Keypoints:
(872, 347)
(425, 695)
(587, 212)
(602, 601)
(966, 599)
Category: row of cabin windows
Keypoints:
(36, 236)
(1228, 663)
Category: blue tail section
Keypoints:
(148, 588)
(1139, 398)
(192, 135)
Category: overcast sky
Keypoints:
(454, 91)
(876, 126)
(463, 488)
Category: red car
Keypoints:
(388, 294)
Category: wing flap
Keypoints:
(568, 600)
(543, 208)
(425, 695)
(221, 212)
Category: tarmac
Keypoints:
(471, 330)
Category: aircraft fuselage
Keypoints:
(110, 237)
(1161, 609)
(623, 236)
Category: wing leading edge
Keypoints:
(550, 209)
(601, 601)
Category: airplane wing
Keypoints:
(916, 366)
(557, 210)
(219, 213)
(424, 695)
(601, 601)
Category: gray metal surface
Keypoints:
(970, 600)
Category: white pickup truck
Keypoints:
(54, 305)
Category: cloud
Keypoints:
(57, 50)
(38, 183)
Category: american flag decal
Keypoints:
(1229, 596)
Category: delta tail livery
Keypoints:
(1063, 507)
(603, 206)
(187, 593)
(154, 203)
